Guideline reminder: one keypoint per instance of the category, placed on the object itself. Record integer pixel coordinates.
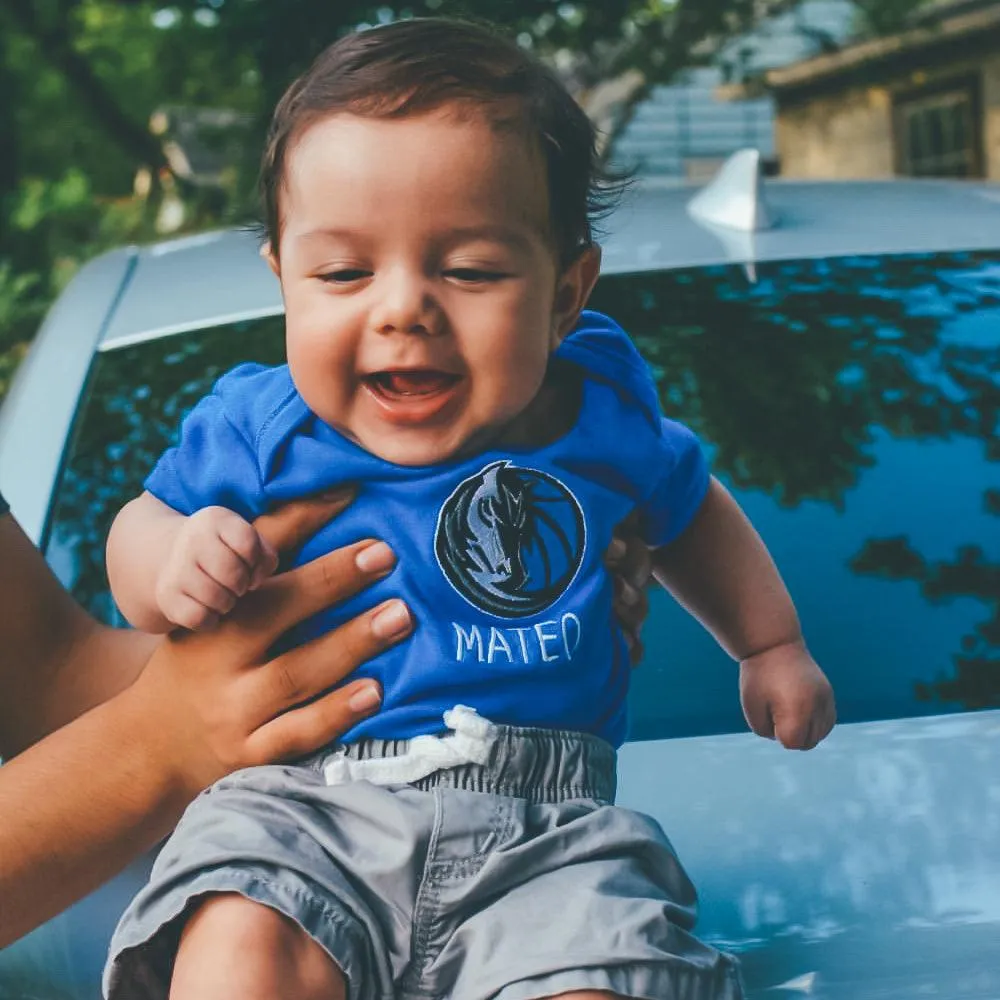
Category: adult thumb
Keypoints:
(290, 526)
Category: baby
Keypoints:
(428, 191)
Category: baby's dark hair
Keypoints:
(418, 65)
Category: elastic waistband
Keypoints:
(540, 765)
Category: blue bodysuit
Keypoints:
(500, 555)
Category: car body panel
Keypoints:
(47, 387)
(653, 229)
(218, 277)
(867, 868)
(178, 284)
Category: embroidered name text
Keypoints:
(543, 642)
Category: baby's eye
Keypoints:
(474, 275)
(344, 275)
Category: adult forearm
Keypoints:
(101, 664)
(79, 806)
(76, 807)
(720, 570)
(42, 632)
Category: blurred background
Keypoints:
(127, 121)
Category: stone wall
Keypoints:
(991, 116)
(849, 132)
(840, 135)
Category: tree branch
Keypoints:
(56, 45)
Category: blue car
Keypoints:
(837, 348)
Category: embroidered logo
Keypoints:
(510, 540)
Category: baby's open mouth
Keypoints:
(409, 383)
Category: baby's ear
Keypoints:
(271, 257)
(573, 290)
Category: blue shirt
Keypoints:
(500, 555)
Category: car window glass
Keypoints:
(851, 404)
(135, 400)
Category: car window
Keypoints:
(134, 402)
(851, 404)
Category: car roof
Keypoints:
(219, 277)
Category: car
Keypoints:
(835, 346)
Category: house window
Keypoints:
(938, 134)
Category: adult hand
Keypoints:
(224, 703)
(84, 801)
(629, 561)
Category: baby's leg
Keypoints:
(235, 948)
(588, 995)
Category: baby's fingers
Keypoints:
(185, 612)
(803, 723)
(794, 732)
(758, 715)
(220, 565)
(201, 587)
(258, 558)
(822, 724)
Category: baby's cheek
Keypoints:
(504, 402)
(320, 378)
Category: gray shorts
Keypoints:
(512, 879)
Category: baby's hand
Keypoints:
(216, 558)
(787, 697)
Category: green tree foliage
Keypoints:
(886, 17)
(79, 82)
(81, 78)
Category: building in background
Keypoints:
(684, 130)
(922, 103)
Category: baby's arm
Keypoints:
(167, 569)
(720, 570)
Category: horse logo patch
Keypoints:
(510, 540)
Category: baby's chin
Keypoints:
(413, 450)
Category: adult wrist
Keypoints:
(162, 750)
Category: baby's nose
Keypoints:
(406, 306)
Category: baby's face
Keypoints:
(421, 287)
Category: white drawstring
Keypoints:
(468, 743)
